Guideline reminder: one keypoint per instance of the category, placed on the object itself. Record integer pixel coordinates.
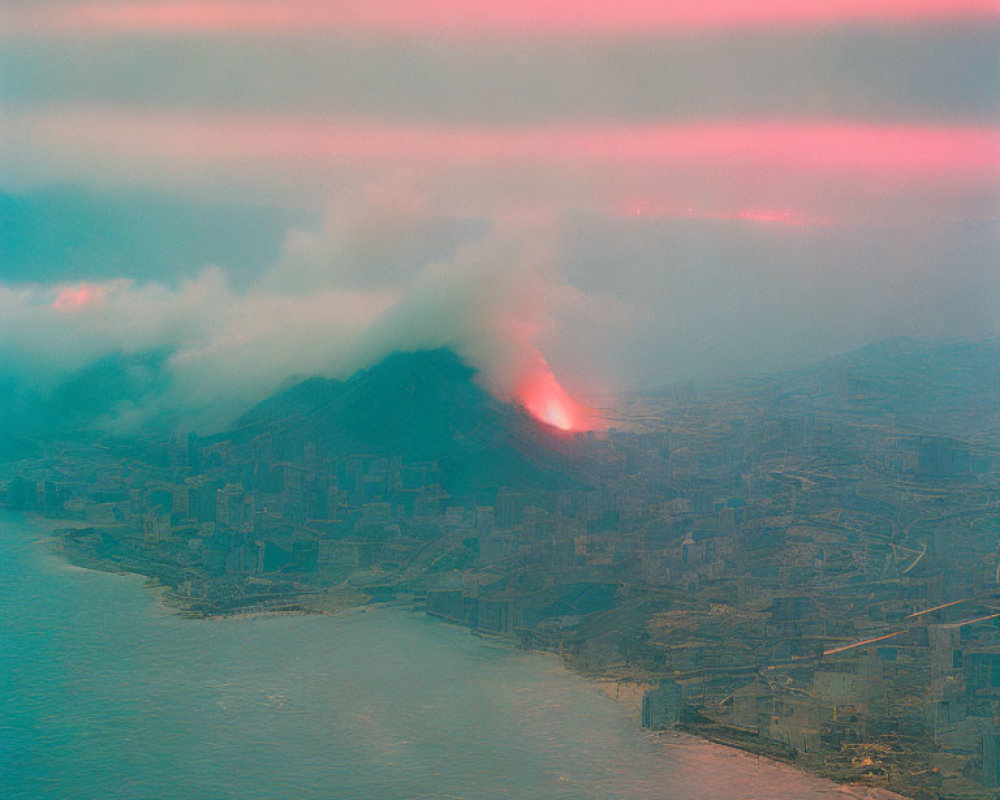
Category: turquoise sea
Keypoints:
(104, 694)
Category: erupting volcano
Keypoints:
(424, 406)
(547, 401)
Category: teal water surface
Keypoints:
(104, 694)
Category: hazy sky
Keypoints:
(639, 192)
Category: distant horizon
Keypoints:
(143, 383)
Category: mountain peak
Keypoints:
(424, 406)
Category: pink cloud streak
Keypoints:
(71, 298)
(765, 216)
(462, 17)
(765, 171)
(820, 147)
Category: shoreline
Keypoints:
(607, 685)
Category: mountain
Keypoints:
(424, 406)
(926, 385)
(85, 402)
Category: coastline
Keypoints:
(626, 690)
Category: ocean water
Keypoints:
(104, 694)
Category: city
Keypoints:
(804, 566)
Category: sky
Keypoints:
(581, 194)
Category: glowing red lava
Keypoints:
(549, 403)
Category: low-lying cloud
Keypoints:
(384, 274)
(611, 302)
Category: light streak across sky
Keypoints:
(457, 17)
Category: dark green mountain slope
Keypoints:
(425, 406)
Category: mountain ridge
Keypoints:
(425, 406)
